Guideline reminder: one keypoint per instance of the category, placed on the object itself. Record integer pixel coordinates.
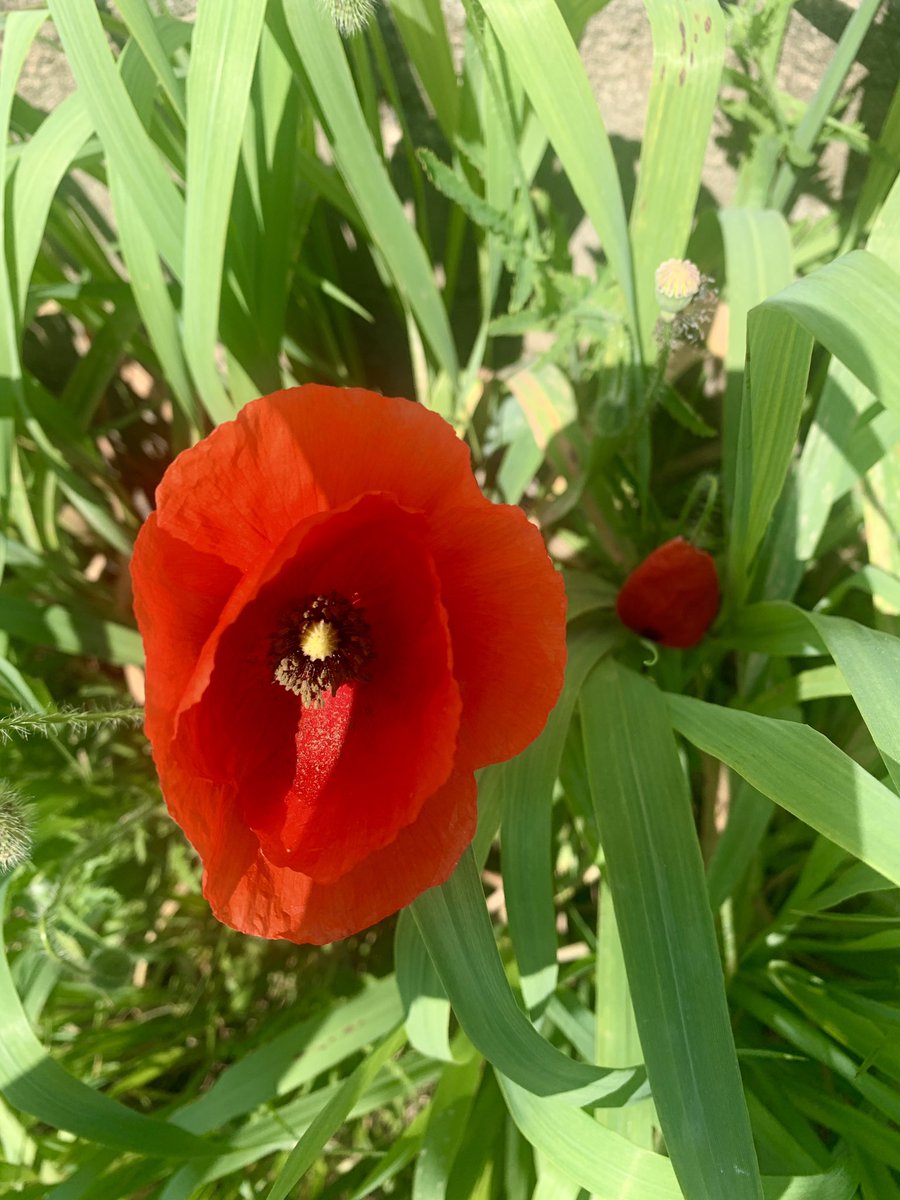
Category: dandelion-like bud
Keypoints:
(350, 16)
(15, 829)
(677, 283)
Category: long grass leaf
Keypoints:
(126, 142)
(223, 54)
(456, 929)
(803, 772)
(611, 1168)
(650, 847)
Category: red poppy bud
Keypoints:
(673, 596)
(339, 629)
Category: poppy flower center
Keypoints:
(322, 644)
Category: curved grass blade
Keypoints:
(869, 660)
(656, 876)
(803, 772)
(611, 1168)
(781, 335)
(456, 930)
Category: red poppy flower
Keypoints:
(339, 628)
(673, 596)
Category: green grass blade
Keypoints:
(688, 53)
(322, 56)
(813, 119)
(446, 1135)
(803, 772)
(126, 142)
(151, 294)
(757, 265)
(424, 32)
(19, 31)
(870, 662)
(142, 26)
(43, 162)
(456, 929)
(333, 1116)
(781, 334)
(425, 1004)
(616, 1037)
(543, 56)
(611, 1168)
(223, 54)
(526, 829)
(651, 851)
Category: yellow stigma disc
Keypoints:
(319, 641)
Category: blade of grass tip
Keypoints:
(817, 110)
(803, 772)
(318, 46)
(127, 144)
(540, 50)
(688, 55)
(43, 163)
(456, 930)
(655, 872)
(141, 24)
(223, 54)
(333, 1116)
(870, 662)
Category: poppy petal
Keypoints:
(175, 622)
(507, 611)
(305, 450)
(249, 893)
(324, 788)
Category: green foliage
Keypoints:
(683, 979)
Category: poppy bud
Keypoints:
(673, 596)
(15, 829)
(677, 283)
(350, 16)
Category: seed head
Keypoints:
(15, 828)
(677, 283)
(350, 16)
